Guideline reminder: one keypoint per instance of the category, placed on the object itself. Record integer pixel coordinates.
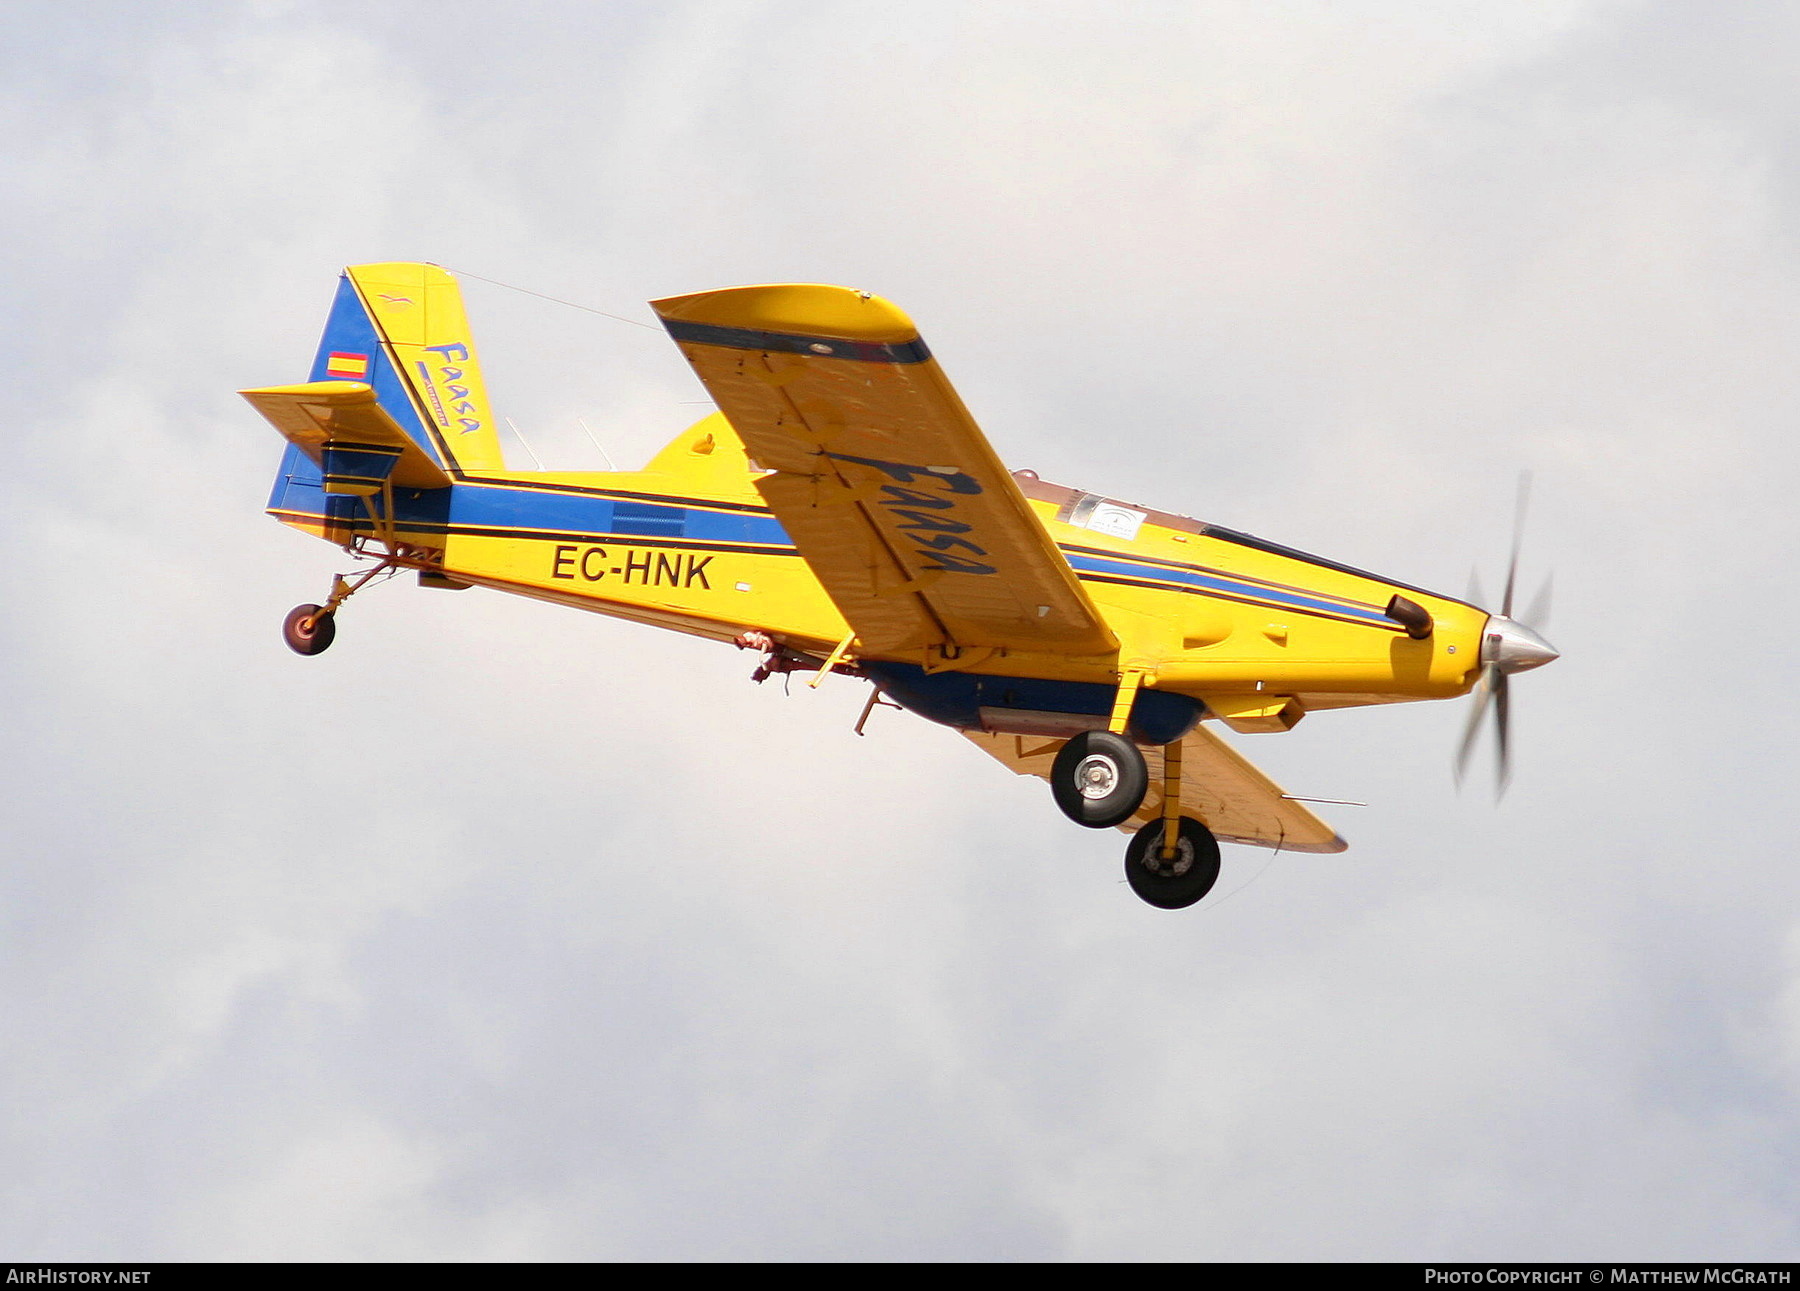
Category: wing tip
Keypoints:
(334, 392)
(803, 309)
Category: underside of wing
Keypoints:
(1218, 785)
(879, 474)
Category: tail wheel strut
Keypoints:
(310, 629)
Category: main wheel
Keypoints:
(308, 629)
(1099, 779)
(1178, 882)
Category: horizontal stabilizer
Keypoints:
(343, 428)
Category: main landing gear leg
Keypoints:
(1173, 861)
(1171, 805)
(1099, 778)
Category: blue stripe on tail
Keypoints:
(350, 331)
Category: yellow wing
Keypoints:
(879, 474)
(1233, 799)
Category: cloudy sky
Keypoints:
(502, 932)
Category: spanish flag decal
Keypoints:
(347, 367)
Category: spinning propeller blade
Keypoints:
(1508, 646)
(1482, 693)
(1538, 612)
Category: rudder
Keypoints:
(418, 311)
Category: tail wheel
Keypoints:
(1099, 779)
(309, 629)
(1172, 883)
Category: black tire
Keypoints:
(1099, 779)
(308, 629)
(1176, 885)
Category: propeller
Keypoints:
(1508, 646)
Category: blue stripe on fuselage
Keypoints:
(1202, 581)
(539, 512)
(496, 506)
(536, 512)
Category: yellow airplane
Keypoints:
(842, 512)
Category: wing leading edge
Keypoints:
(879, 474)
(1218, 784)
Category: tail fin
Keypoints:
(401, 329)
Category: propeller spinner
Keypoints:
(1507, 647)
